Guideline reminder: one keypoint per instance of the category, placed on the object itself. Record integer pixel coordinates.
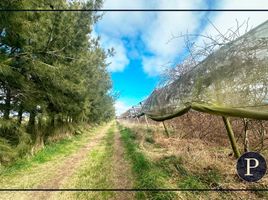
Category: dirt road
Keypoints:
(102, 148)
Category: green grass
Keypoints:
(166, 172)
(97, 170)
(32, 171)
(172, 165)
(148, 174)
(51, 151)
(185, 179)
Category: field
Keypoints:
(123, 155)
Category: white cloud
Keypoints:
(226, 20)
(121, 107)
(118, 24)
(155, 29)
(245, 4)
(163, 28)
(153, 66)
(119, 61)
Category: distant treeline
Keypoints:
(53, 72)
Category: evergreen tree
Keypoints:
(51, 68)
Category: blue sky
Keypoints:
(143, 40)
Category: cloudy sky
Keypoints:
(143, 40)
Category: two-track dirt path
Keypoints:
(68, 167)
(122, 170)
(62, 171)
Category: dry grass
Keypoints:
(104, 167)
(198, 156)
(47, 166)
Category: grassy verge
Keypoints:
(189, 164)
(63, 147)
(96, 172)
(167, 171)
(148, 174)
(32, 168)
(185, 179)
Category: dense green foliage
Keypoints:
(52, 71)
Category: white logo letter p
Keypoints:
(251, 167)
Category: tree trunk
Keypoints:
(52, 122)
(7, 103)
(31, 122)
(39, 142)
(40, 136)
(20, 114)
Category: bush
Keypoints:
(9, 130)
(14, 141)
(7, 153)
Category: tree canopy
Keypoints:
(50, 64)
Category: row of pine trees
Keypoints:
(53, 72)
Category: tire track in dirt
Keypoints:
(122, 175)
(121, 170)
(68, 167)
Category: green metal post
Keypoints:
(165, 128)
(231, 136)
(146, 120)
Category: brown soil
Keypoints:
(122, 171)
(67, 169)
(63, 171)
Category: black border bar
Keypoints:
(136, 190)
